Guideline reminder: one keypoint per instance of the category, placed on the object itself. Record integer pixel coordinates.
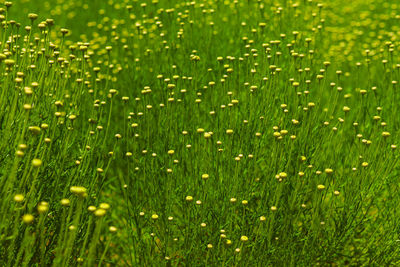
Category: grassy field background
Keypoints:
(208, 133)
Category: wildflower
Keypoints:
(99, 212)
(78, 190)
(92, 208)
(28, 218)
(104, 206)
(36, 163)
(65, 202)
(244, 238)
(19, 198)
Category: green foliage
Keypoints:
(209, 133)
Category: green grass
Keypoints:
(209, 133)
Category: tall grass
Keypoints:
(209, 133)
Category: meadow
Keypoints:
(199, 133)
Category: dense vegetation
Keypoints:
(208, 133)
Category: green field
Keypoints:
(204, 133)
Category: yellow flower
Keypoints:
(205, 176)
(28, 218)
(19, 198)
(100, 212)
(36, 163)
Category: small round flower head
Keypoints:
(28, 218)
(36, 163)
(229, 131)
(171, 152)
(19, 198)
(65, 202)
(328, 171)
(282, 175)
(209, 246)
(154, 216)
(233, 200)
(274, 208)
(99, 212)
(346, 109)
(277, 134)
(32, 16)
(385, 134)
(336, 193)
(78, 190)
(364, 164)
(228, 242)
(104, 206)
(189, 198)
(244, 238)
(9, 62)
(92, 208)
(22, 147)
(34, 130)
(320, 187)
(262, 218)
(43, 207)
(205, 176)
(112, 229)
